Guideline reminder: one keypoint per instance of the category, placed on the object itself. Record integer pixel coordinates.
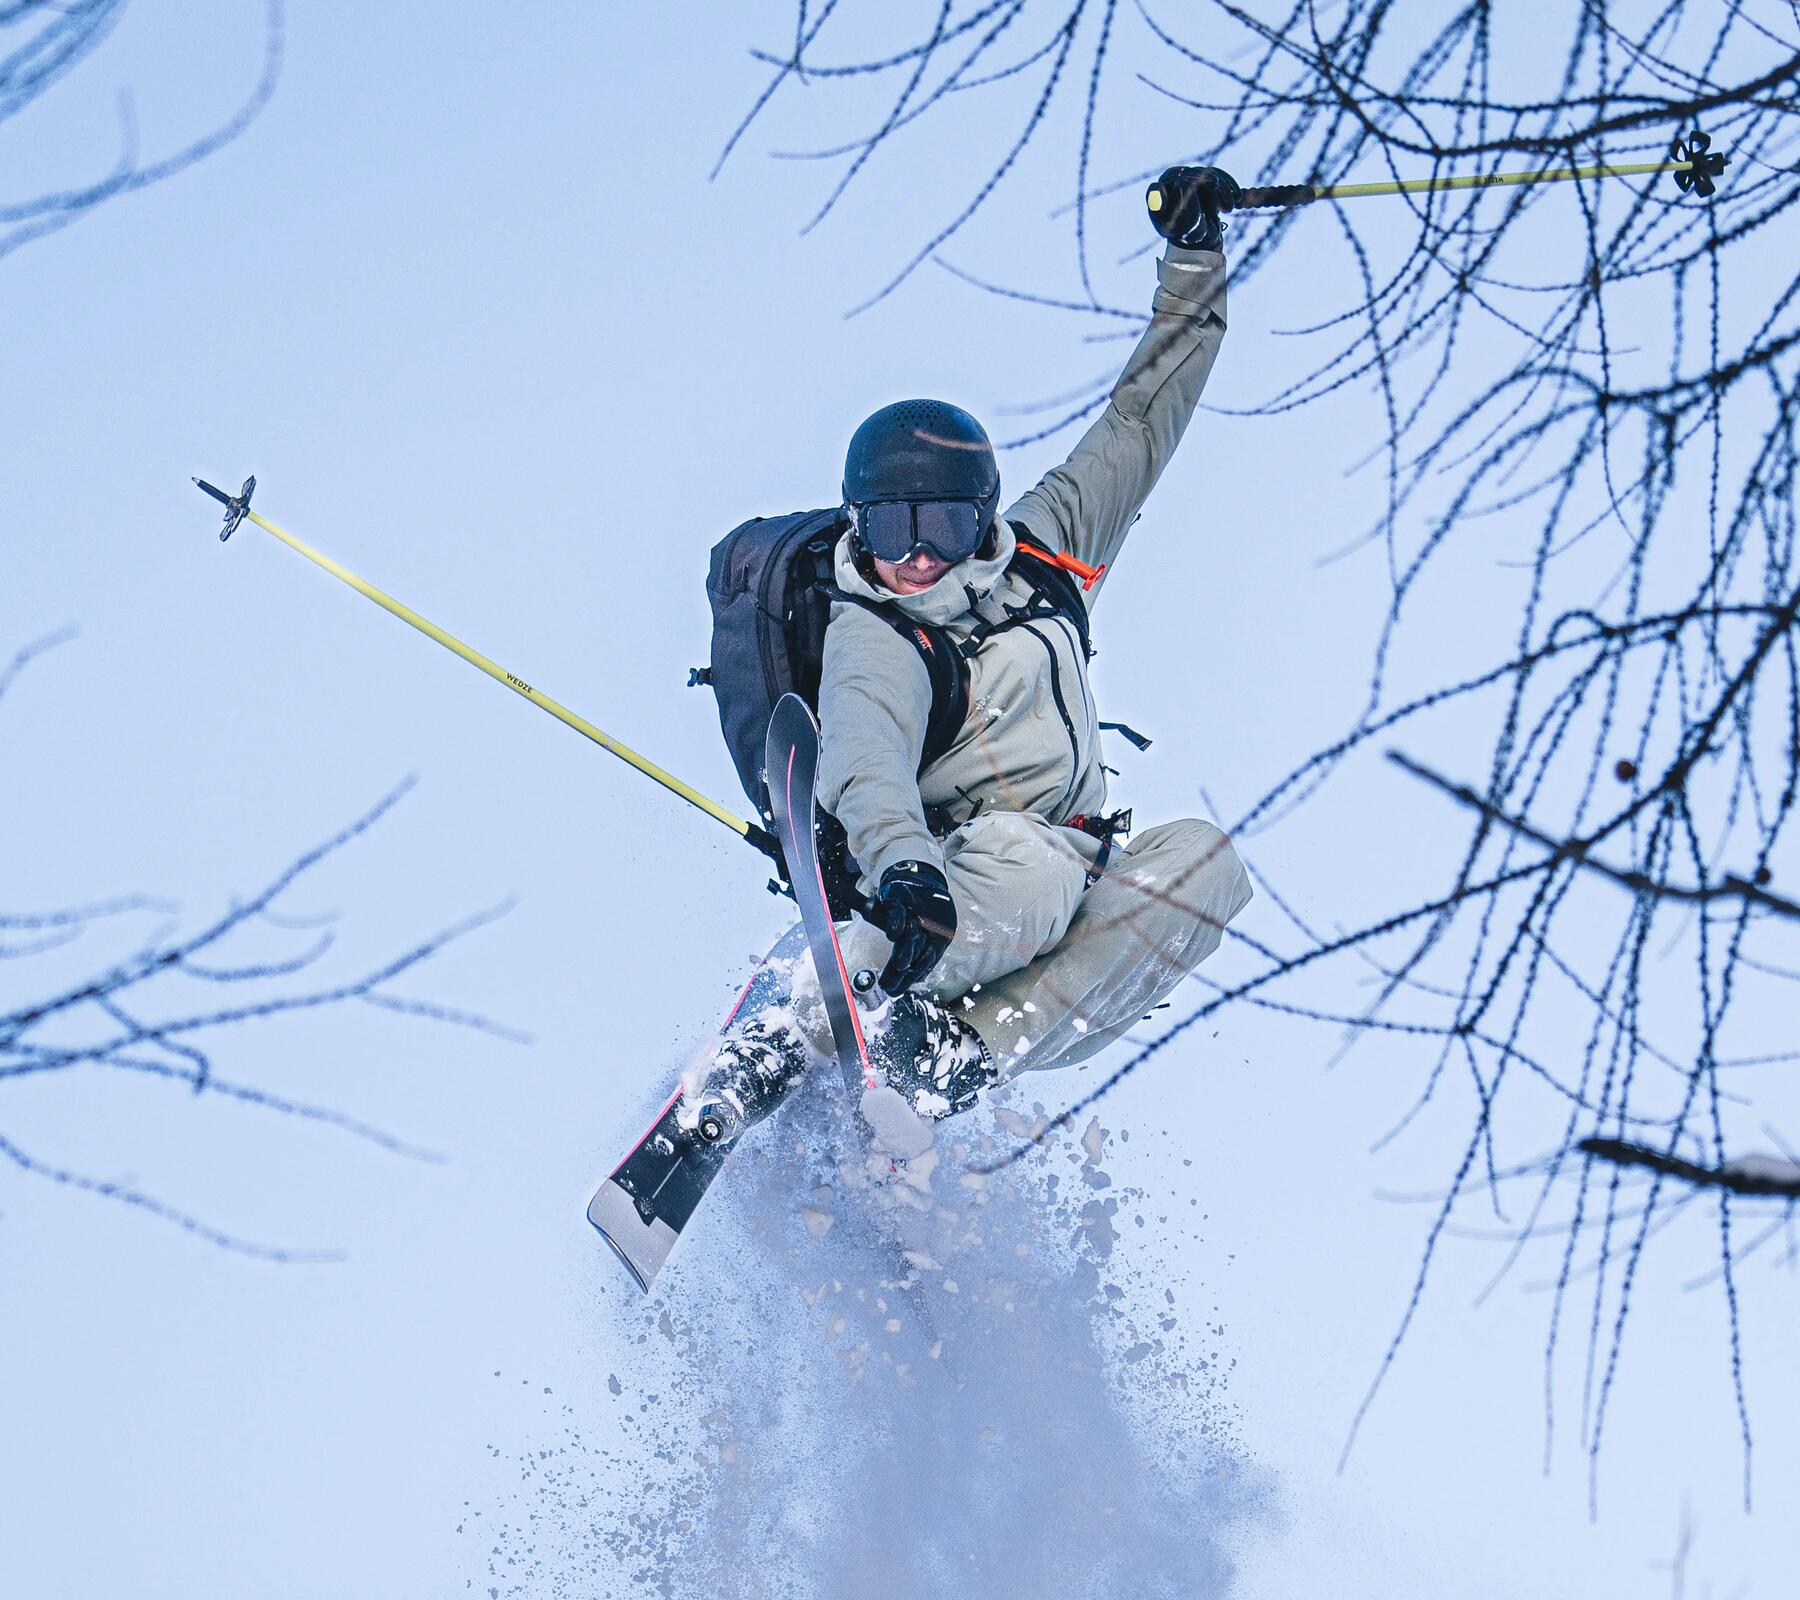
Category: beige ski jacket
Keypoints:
(1032, 740)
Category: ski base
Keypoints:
(642, 1247)
(641, 1209)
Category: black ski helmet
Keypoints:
(921, 450)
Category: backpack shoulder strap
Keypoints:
(949, 675)
(1049, 583)
(945, 670)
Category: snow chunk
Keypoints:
(1022, 1127)
(1093, 1141)
(917, 1172)
(929, 1103)
(898, 1130)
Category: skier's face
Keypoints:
(917, 573)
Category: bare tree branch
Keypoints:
(41, 42)
(1580, 429)
(135, 1015)
(1747, 1175)
(1730, 887)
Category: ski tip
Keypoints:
(642, 1247)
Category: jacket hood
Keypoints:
(947, 600)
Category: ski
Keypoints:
(641, 1209)
(791, 771)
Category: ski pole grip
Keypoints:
(1279, 194)
(766, 842)
(864, 907)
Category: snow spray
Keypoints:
(875, 1375)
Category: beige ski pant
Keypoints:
(1049, 971)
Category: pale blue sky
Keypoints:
(465, 302)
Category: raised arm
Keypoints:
(1087, 505)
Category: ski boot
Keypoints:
(932, 1056)
(751, 1075)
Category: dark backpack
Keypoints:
(771, 588)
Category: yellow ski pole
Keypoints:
(237, 510)
(1694, 168)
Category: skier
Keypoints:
(1015, 930)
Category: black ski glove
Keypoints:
(913, 908)
(1185, 203)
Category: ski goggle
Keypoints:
(891, 530)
